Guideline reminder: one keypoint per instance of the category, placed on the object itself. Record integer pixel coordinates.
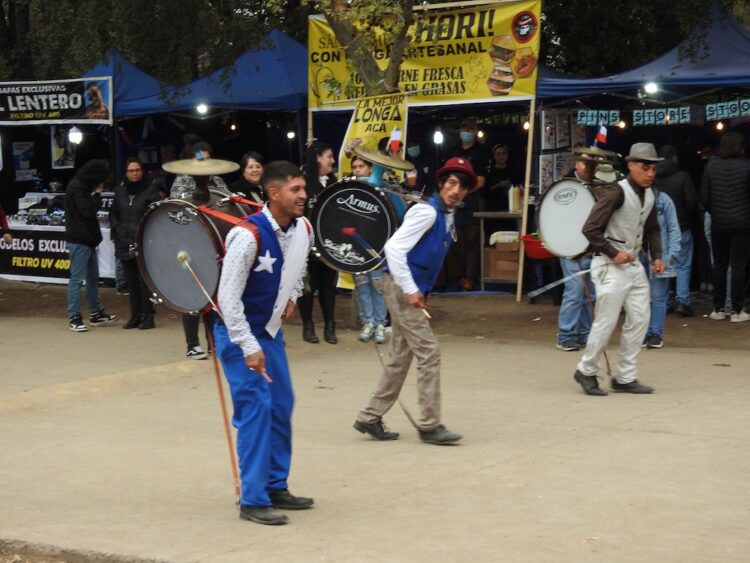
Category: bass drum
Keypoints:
(172, 226)
(352, 220)
(562, 212)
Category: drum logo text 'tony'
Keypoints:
(358, 205)
(566, 196)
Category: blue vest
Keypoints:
(426, 258)
(263, 287)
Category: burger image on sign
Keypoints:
(501, 78)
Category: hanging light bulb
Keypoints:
(290, 135)
(622, 124)
(526, 125)
(720, 126)
(202, 109)
(233, 127)
(437, 138)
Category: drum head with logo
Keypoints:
(563, 210)
(352, 220)
(174, 226)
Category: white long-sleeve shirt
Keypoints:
(418, 220)
(241, 251)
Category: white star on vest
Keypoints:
(265, 262)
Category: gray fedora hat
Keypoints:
(645, 152)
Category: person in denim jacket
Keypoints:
(669, 226)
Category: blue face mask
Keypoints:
(466, 136)
(413, 151)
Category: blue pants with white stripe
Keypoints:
(262, 416)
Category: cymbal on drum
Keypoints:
(202, 167)
(595, 154)
(387, 160)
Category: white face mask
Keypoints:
(466, 136)
(413, 152)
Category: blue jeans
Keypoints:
(659, 297)
(84, 265)
(684, 264)
(574, 320)
(369, 290)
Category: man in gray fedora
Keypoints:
(622, 223)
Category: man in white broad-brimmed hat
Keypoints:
(621, 223)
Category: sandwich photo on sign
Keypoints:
(501, 79)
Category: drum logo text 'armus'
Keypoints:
(359, 205)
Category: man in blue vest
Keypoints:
(261, 278)
(414, 256)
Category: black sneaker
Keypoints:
(75, 323)
(102, 318)
(267, 515)
(684, 310)
(287, 501)
(653, 341)
(377, 430)
(635, 387)
(440, 436)
(196, 353)
(568, 346)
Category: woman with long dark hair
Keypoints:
(318, 170)
(132, 197)
(251, 167)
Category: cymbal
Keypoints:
(205, 167)
(595, 154)
(386, 160)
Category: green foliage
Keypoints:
(587, 39)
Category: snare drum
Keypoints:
(352, 220)
(171, 226)
(562, 212)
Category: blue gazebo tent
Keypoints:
(727, 64)
(135, 92)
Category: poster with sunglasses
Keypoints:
(62, 150)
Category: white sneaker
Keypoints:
(717, 315)
(196, 353)
(380, 334)
(367, 332)
(740, 317)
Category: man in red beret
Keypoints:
(414, 257)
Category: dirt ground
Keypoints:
(522, 425)
(494, 316)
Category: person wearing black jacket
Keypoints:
(318, 170)
(251, 167)
(132, 198)
(82, 202)
(725, 193)
(679, 187)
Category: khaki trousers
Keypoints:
(412, 337)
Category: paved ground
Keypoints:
(113, 448)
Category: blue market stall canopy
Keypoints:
(272, 77)
(135, 92)
(727, 64)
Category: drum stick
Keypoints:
(401, 404)
(184, 257)
(352, 232)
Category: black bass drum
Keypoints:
(352, 220)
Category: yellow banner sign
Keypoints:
(464, 56)
(374, 118)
